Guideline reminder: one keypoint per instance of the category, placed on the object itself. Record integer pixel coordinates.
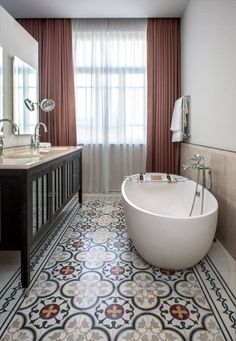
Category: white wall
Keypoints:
(15, 42)
(209, 71)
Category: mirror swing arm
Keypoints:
(47, 104)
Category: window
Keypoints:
(110, 78)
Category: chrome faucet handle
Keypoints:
(198, 159)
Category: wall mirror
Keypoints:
(25, 85)
(1, 82)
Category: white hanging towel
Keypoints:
(179, 119)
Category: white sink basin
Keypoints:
(23, 156)
(21, 161)
(36, 154)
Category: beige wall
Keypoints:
(208, 35)
(208, 31)
(223, 164)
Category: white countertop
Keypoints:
(26, 158)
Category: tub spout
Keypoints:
(185, 167)
(189, 166)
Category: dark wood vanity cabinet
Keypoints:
(31, 199)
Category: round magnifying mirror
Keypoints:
(47, 104)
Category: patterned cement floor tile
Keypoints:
(89, 283)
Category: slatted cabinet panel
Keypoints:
(57, 189)
(69, 175)
(40, 209)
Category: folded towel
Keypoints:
(179, 119)
(184, 111)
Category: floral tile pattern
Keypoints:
(144, 290)
(91, 284)
(87, 290)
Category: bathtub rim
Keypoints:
(215, 210)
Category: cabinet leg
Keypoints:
(80, 178)
(25, 266)
(80, 196)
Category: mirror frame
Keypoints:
(25, 119)
(47, 104)
(1, 82)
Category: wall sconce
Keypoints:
(47, 104)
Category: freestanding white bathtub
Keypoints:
(157, 216)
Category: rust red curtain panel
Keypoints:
(56, 76)
(163, 88)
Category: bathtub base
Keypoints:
(170, 250)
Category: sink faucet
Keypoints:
(14, 127)
(36, 139)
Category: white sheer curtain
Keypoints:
(110, 80)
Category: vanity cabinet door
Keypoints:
(57, 193)
(72, 176)
(69, 177)
(47, 196)
(40, 202)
